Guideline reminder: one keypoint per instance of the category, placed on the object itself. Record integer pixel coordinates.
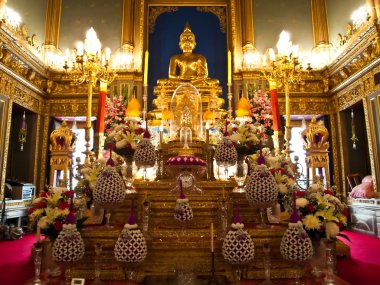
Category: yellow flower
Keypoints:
(342, 218)
(327, 215)
(332, 230)
(301, 202)
(311, 222)
(280, 178)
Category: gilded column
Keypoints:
(341, 152)
(319, 22)
(128, 22)
(377, 9)
(370, 145)
(52, 23)
(371, 5)
(45, 123)
(6, 149)
(334, 146)
(247, 22)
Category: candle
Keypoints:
(108, 53)
(146, 68)
(212, 237)
(80, 48)
(229, 77)
(207, 134)
(161, 134)
(38, 234)
(67, 55)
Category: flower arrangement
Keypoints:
(280, 169)
(323, 214)
(261, 111)
(126, 137)
(88, 175)
(50, 209)
(115, 113)
(246, 136)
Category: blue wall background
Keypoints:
(163, 43)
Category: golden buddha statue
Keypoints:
(190, 65)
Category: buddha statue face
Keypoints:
(187, 40)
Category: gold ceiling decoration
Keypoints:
(154, 12)
(218, 11)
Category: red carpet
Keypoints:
(16, 266)
(364, 266)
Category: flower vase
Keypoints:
(52, 268)
(330, 262)
(128, 174)
(241, 173)
(318, 261)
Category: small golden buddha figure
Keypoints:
(189, 65)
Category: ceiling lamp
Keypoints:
(251, 57)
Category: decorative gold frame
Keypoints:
(4, 101)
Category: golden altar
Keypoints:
(172, 244)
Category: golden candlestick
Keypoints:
(284, 69)
(87, 64)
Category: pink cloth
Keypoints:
(363, 190)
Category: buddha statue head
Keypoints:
(187, 39)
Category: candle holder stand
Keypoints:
(212, 280)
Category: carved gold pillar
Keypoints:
(5, 149)
(127, 23)
(370, 145)
(377, 9)
(319, 22)
(334, 141)
(44, 149)
(52, 24)
(247, 22)
(127, 29)
(372, 10)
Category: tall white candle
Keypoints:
(212, 237)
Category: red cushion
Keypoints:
(364, 190)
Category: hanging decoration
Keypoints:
(354, 138)
(22, 133)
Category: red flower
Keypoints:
(41, 205)
(57, 225)
(139, 131)
(44, 194)
(69, 193)
(310, 208)
(346, 212)
(282, 170)
(63, 205)
(273, 171)
(30, 210)
(300, 193)
(87, 192)
(328, 192)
